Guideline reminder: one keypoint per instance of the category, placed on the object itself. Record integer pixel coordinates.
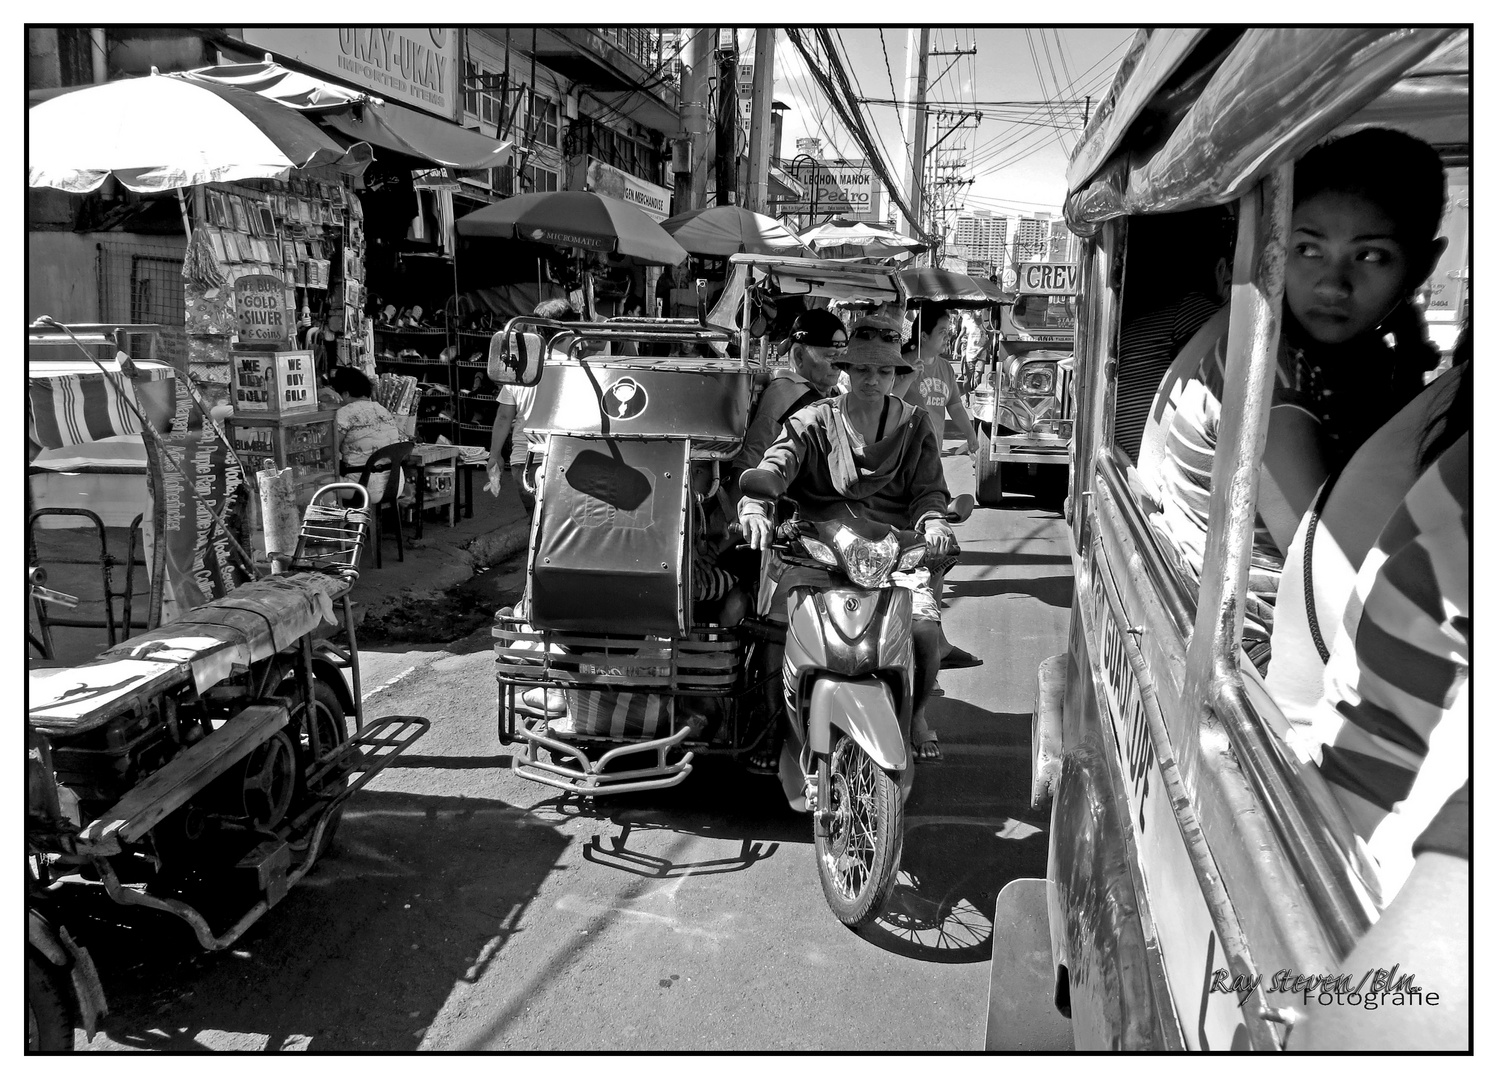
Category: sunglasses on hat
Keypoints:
(874, 333)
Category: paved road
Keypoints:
(463, 908)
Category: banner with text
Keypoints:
(618, 184)
(407, 64)
(845, 190)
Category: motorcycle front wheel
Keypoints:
(862, 831)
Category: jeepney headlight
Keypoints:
(1037, 379)
(867, 564)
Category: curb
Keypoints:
(497, 546)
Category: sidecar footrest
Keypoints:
(368, 750)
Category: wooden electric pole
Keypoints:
(757, 193)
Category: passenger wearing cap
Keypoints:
(874, 455)
(817, 341)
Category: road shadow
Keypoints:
(969, 831)
(951, 872)
(970, 557)
(1054, 590)
(419, 896)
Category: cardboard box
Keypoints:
(273, 383)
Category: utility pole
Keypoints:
(757, 193)
(696, 68)
(917, 56)
(725, 158)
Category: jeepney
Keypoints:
(1185, 838)
(1023, 403)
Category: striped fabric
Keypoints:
(1147, 346)
(72, 410)
(1396, 703)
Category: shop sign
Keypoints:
(273, 383)
(1052, 279)
(435, 180)
(616, 183)
(409, 65)
(260, 311)
(842, 189)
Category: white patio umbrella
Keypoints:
(858, 239)
(164, 132)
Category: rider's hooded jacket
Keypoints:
(896, 480)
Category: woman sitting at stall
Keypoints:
(364, 426)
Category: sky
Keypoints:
(1019, 167)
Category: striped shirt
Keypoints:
(1349, 391)
(1396, 704)
(1147, 346)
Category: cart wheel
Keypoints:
(49, 1019)
(331, 726)
(270, 781)
(990, 489)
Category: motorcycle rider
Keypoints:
(872, 456)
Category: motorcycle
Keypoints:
(848, 675)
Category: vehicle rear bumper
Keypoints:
(1022, 1013)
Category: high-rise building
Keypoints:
(1032, 238)
(982, 236)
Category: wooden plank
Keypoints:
(65, 700)
(167, 789)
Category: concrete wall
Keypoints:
(63, 280)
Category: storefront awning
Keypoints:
(356, 116)
(388, 126)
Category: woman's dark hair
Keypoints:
(351, 381)
(1398, 173)
(1402, 176)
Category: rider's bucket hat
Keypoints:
(874, 341)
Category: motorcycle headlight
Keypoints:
(819, 551)
(866, 563)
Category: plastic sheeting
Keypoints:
(1278, 93)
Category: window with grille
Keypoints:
(481, 99)
(548, 121)
(538, 179)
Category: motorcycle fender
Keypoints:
(865, 710)
(324, 670)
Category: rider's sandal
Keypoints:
(766, 760)
(928, 749)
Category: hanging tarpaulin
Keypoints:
(201, 478)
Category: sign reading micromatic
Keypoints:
(410, 65)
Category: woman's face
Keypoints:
(936, 339)
(1346, 271)
(869, 383)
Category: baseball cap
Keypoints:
(819, 329)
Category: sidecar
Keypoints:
(627, 657)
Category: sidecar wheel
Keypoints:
(858, 852)
(49, 1020)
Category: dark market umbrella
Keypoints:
(582, 219)
(161, 132)
(948, 287)
(731, 230)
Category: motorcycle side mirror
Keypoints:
(761, 484)
(515, 359)
(960, 508)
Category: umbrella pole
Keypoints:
(539, 297)
(186, 221)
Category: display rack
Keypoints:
(428, 367)
(305, 442)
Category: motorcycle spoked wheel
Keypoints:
(858, 852)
